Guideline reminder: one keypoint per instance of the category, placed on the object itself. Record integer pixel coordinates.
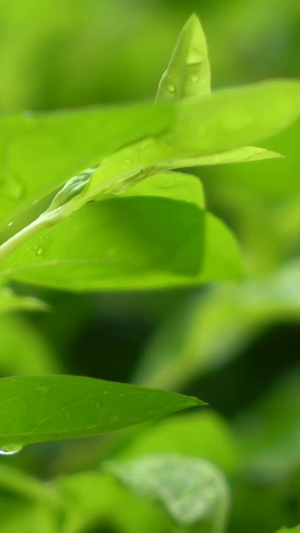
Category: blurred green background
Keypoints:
(235, 346)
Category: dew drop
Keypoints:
(10, 224)
(12, 449)
(171, 87)
(35, 247)
(40, 250)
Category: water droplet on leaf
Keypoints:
(40, 250)
(10, 449)
(171, 87)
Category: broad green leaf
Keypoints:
(240, 155)
(43, 408)
(193, 491)
(204, 435)
(188, 72)
(40, 152)
(133, 242)
(204, 126)
(23, 350)
(289, 530)
(9, 301)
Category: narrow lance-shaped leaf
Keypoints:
(192, 491)
(45, 408)
(188, 72)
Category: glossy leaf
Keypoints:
(135, 242)
(40, 152)
(193, 491)
(38, 408)
(188, 72)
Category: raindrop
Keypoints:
(40, 250)
(10, 224)
(12, 449)
(171, 87)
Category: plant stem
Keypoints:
(46, 220)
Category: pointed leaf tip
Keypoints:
(188, 72)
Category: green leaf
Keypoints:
(188, 72)
(9, 301)
(135, 242)
(40, 152)
(204, 126)
(23, 349)
(43, 408)
(240, 155)
(193, 491)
